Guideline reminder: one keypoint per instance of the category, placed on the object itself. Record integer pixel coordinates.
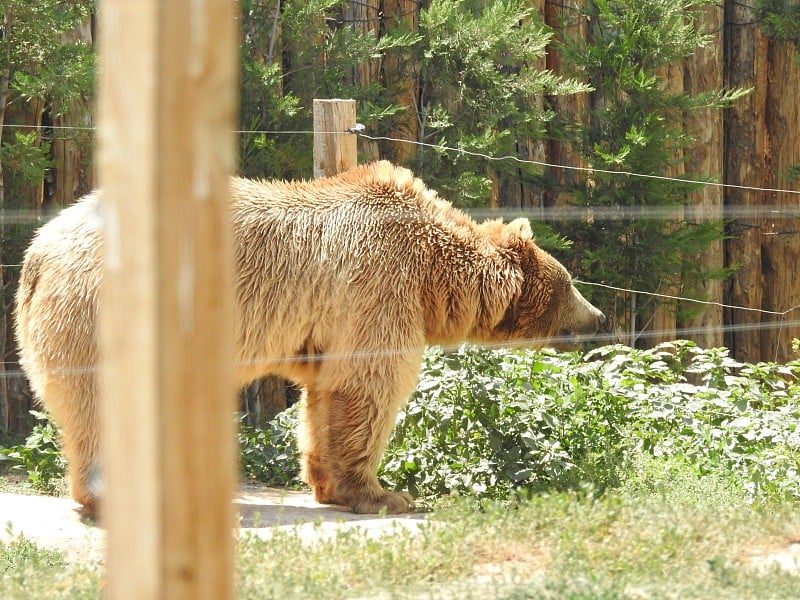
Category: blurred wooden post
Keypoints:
(334, 152)
(167, 111)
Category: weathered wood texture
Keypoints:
(168, 101)
(663, 320)
(335, 150)
(365, 19)
(703, 72)
(403, 77)
(567, 25)
(780, 252)
(746, 165)
(74, 173)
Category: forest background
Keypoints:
(700, 99)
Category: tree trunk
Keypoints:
(402, 76)
(663, 321)
(702, 73)
(72, 148)
(567, 108)
(5, 78)
(745, 164)
(508, 188)
(364, 19)
(780, 250)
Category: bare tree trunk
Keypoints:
(364, 18)
(663, 321)
(702, 73)
(567, 26)
(5, 79)
(508, 189)
(780, 240)
(71, 148)
(403, 77)
(745, 164)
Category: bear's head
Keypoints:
(547, 309)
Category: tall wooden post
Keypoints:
(167, 108)
(335, 150)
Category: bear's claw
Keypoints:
(392, 503)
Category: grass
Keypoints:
(27, 571)
(665, 473)
(667, 533)
(627, 544)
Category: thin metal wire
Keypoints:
(556, 212)
(576, 168)
(684, 299)
(358, 130)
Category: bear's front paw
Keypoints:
(392, 502)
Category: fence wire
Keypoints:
(761, 212)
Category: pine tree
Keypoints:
(635, 124)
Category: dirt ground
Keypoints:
(55, 523)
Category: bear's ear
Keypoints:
(521, 227)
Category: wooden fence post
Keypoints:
(167, 112)
(335, 150)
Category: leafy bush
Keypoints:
(496, 423)
(271, 455)
(39, 458)
(490, 422)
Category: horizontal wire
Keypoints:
(576, 168)
(684, 299)
(358, 130)
(522, 344)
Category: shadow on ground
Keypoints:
(56, 523)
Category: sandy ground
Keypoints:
(55, 523)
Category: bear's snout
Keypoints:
(585, 318)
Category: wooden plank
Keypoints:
(167, 110)
(334, 152)
(703, 73)
(745, 165)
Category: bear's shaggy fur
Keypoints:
(340, 283)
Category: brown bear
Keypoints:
(340, 284)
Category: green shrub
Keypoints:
(498, 423)
(271, 455)
(39, 458)
(491, 422)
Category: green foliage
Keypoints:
(779, 19)
(25, 158)
(39, 458)
(479, 91)
(497, 424)
(29, 571)
(488, 423)
(636, 124)
(271, 455)
(293, 52)
(38, 62)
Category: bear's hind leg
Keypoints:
(81, 454)
(72, 403)
(313, 441)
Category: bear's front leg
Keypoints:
(359, 427)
